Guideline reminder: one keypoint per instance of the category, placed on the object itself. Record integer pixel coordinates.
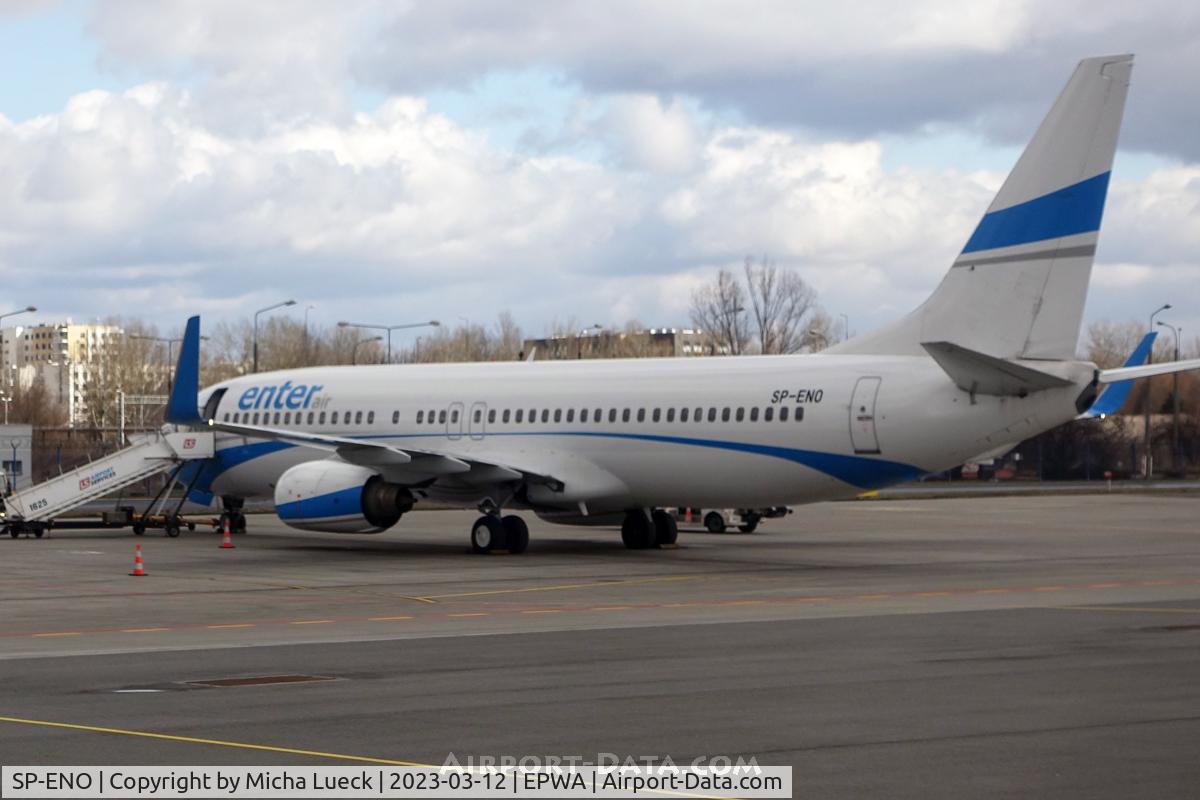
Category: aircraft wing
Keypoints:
(401, 464)
(1146, 371)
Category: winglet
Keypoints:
(183, 406)
(1113, 396)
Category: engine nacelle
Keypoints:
(338, 497)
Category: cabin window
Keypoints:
(420, 416)
(358, 418)
(532, 416)
(641, 417)
(625, 415)
(683, 415)
(370, 417)
(433, 416)
(558, 415)
(491, 415)
(699, 417)
(287, 418)
(725, 414)
(255, 417)
(768, 414)
(799, 413)
(310, 418)
(226, 417)
(520, 414)
(754, 413)
(506, 416)
(712, 414)
(454, 417)
(477, 417)
(396, 417)
(612, 415)
(545, 415)
(739, 415)
(570, 415)
(333, 417)
(656, 415)
(671, 414)
(322, 418)
(276, 422)
(783, 413)
(442, 417)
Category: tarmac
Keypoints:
(993, 646)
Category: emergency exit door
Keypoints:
(862, 416)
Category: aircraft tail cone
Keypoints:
(139, 566)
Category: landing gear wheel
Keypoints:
(139, 529)
(666, 531)
(13, 532)
(714, 522)
(516, 533)
(191, 526)
(239, 522)
(171, 530)
(637, 531)
(38, 532)
(749, 523)
(487, 534)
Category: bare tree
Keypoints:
(719, 309)
(781, 302)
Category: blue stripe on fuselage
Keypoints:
(864, 473)
(1075, 209)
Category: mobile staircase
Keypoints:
(33, 510)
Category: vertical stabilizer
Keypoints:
(1018, 288)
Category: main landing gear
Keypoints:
(232, 513)
(494, 532)
(644, 529)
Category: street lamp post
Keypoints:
(170, 343)
(354, 353)
(1149, 383)
(389, 328)
(307, 309)
(1176, 461)
(256, 315)
(25, 310)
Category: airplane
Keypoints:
(988, 359)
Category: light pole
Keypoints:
(25, 310)
(1149, 384)
(354, 353)
(263, 311)
(845, 326)
(170, 357)
(1175, 459)
(307, 309)
(389, 329)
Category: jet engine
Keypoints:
(339, 497)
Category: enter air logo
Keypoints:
(279, 396)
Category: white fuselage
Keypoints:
(865, 422)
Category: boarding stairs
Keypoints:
(146, 455)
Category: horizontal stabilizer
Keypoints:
(1147, 371)
(980, 373)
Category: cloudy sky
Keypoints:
(394, 161)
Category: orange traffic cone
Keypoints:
(139, 568)
(226, 540)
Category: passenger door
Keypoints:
(862, 416)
